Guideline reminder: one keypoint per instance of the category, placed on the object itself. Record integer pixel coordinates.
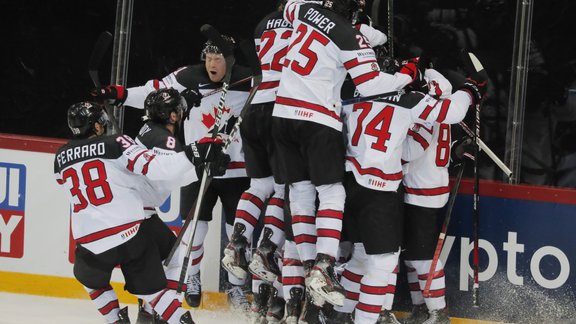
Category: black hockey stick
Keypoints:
(476, 225)
(371, 98)
(473, 65)
(391, 28)
(232, 85)
(215, 37)
(443, 231)
(100, 48)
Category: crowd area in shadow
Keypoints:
(47, 46)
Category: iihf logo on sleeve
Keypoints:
(12, 203)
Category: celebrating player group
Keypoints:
(347, 189)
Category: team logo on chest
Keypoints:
(209, 119)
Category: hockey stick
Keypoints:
(443, 231)
(370, 98)
(213, 35)
(476, 204)
(476, 225)
(100, 48)
(487, 150)
(232, 85)
(391, 28)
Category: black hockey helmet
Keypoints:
(83, 115)
(160, 103)
(210, 47)
(349, 9)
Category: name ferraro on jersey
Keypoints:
(81, 152)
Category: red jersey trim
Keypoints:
(268, 85)
(443, 110)
(419, 138)
(375, 171)
(105, 233)
(307, 105)
(365, 77)
(428, 191)
(354, 63)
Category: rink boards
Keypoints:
(526, 262)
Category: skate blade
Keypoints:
(257, 268)
(334, 298)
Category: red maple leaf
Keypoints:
(209, 119)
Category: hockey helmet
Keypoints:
(160, 103)
(210, 47)
(349, 9)
(83, 115)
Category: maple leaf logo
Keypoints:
(209, 119)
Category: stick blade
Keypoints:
(475, 62)
(213, 35)
(100, 48)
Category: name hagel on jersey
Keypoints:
(202, 119)
(323, 49)
(105, 177)
(271, 37)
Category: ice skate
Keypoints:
(259, 304)
(264, 264)
(237, 299)
(234, 260)
(387, 317)
(437, 316)
(322, 280)
(123, 316)
(144, 317)
(294, 306)
(193, 294)
(275, 312)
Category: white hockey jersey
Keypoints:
(376, 132)
(271, 37)
(427, 149)
(106, 177)
(160, 141)
(324, 47)
(201, 119)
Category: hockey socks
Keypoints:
(437, 300)
(106, 301)
(251, 204)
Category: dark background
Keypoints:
(46, 46)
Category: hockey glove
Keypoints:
(204, 150)
(112, 94)
(193, 97)
(219, 165)
(476, 89)
(460, 149)
(410, 68)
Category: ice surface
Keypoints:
(29, 309)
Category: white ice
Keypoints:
(29, 309)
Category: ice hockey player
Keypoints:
(427, 189)
(271, 40)
(107, 178)
(164, 110)
(307, 126)
(194, 82)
